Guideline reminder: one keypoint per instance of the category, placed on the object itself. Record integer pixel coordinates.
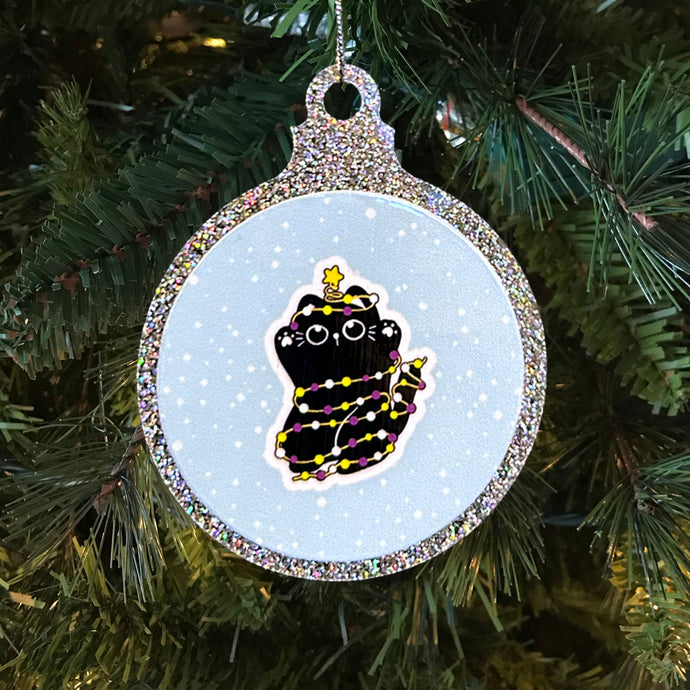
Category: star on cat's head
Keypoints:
(332, 277)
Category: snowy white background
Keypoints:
(218, 393)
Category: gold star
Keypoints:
(333, 276)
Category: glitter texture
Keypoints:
(329, 155)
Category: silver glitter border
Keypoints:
(347, 155)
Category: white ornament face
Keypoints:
(343, 383)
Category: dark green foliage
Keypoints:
(123, 126)
(127, 229)
(73, 156)
(647, 514)
(647, 345)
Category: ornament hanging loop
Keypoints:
(361, 80)
(339, 42)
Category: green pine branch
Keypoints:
(504, 550)
(74, 157)
(111, 245)
(647, 514)
(647, 345)
(656, 623)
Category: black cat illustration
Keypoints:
(347, 415)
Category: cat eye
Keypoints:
(353, 329)
(317, 334)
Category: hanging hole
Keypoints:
(342, 101)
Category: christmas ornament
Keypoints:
(342, 372)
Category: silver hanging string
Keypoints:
(339, 43)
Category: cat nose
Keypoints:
(336, 337)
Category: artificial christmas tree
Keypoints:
(565, 125)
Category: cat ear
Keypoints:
(363, 299)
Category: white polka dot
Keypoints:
(373, 298)
(464, 329)
(482, 397)
(321, 502)
(177, 445)
(257, 429)
(462, 312)
(405, 368)
(167, 389)
(360, 401)
(198, 324)
(192, 279)
(202, 402)
(469, 373)
(335, 451)
(470, 414)
(378, 375)
(505, 319)
(238, 444)
(315, 425)
(370, 213)
(304, 408)
(186, 356)
(418, 514)
(498, 414)
(423, 306)
(381, 433)
(280, 452)
(445, 490)
(203, 382)
(308, 310)
(329, 383)
(377, 455)
(240, 397)
(255, 278)
(397, 397)
(180, 402)
(443, 474)
(371, 416)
